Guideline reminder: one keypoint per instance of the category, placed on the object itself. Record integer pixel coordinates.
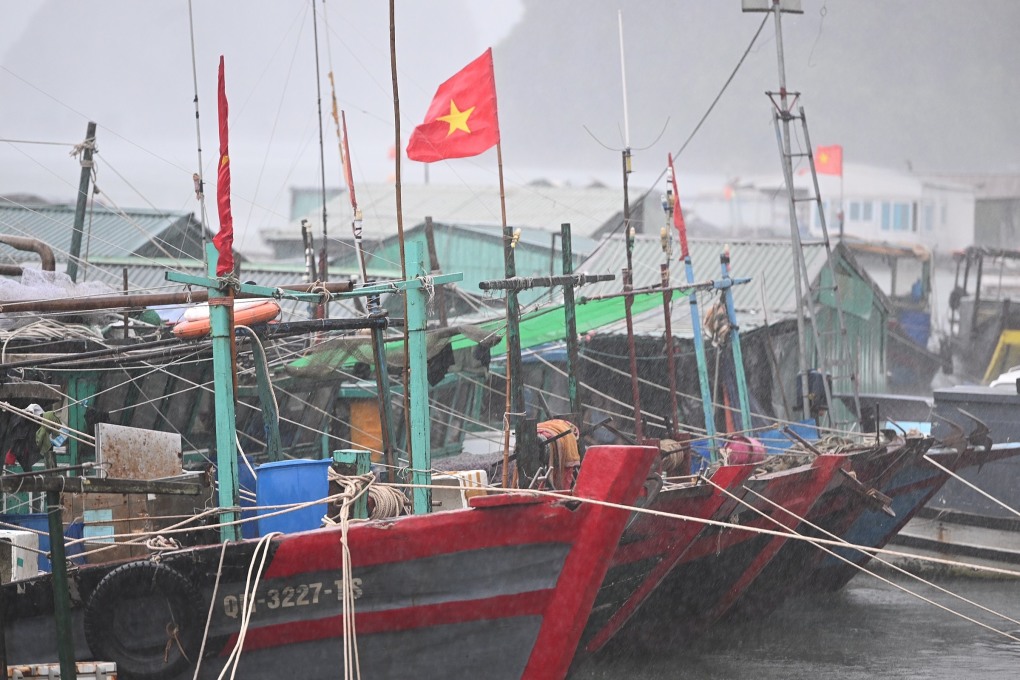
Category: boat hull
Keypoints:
(722, 561)
(910, 488)
(792, 570)
(498, 590)
(651, 546)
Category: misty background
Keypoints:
(908, 85)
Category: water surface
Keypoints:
(869, 630)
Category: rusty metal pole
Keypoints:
(667, 308)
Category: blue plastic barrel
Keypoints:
(291, 481)
(916, 325)
(246, 483)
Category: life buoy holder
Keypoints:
(147, 618)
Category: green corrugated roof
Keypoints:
(536, 328)
(106, 232)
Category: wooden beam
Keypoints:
(40, 484)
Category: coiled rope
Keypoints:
(564, 456)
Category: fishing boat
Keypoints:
(498, 590)
(502, 587)
(651, 547)
(830, 518)
(972, 518)
(908, 489)
(982, 312)
(727, 554)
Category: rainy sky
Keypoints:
(901, 84)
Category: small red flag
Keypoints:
(678, 213)
(461, 121)
(829, 160)
(224, 239)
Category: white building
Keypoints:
(878, 205)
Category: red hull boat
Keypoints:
(651, 546)
(722, 562)
(793, 569)
(499, 590)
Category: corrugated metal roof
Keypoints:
(765, 262)
(107, 233)
(585, 208)
(476, 251)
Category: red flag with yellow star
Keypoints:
(829, 160)
(461, 120)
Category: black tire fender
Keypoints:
(147, 618)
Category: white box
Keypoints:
(18, 556)
(451, 490)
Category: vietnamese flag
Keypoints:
(829, 160)
(461, 121)
(224, 239)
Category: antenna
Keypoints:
(197, 177)
(623, 81)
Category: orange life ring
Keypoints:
(195, 322)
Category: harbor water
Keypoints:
(869, 630)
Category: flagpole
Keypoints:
(842, 214)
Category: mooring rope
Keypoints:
(212, 608)
(353, 488)
(260, 555)
(900, 570)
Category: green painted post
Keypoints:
(361, 461)
(81, 387)
(61, 594)
(738, 355)
(226, 425)
(513, 331)
(418, 387)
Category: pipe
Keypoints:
(118, 301)
(49, 263)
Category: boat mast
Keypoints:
(808, 294)
(699, 339)
(673, 423)
(628, 273)
(798, 273)
(323, 309)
